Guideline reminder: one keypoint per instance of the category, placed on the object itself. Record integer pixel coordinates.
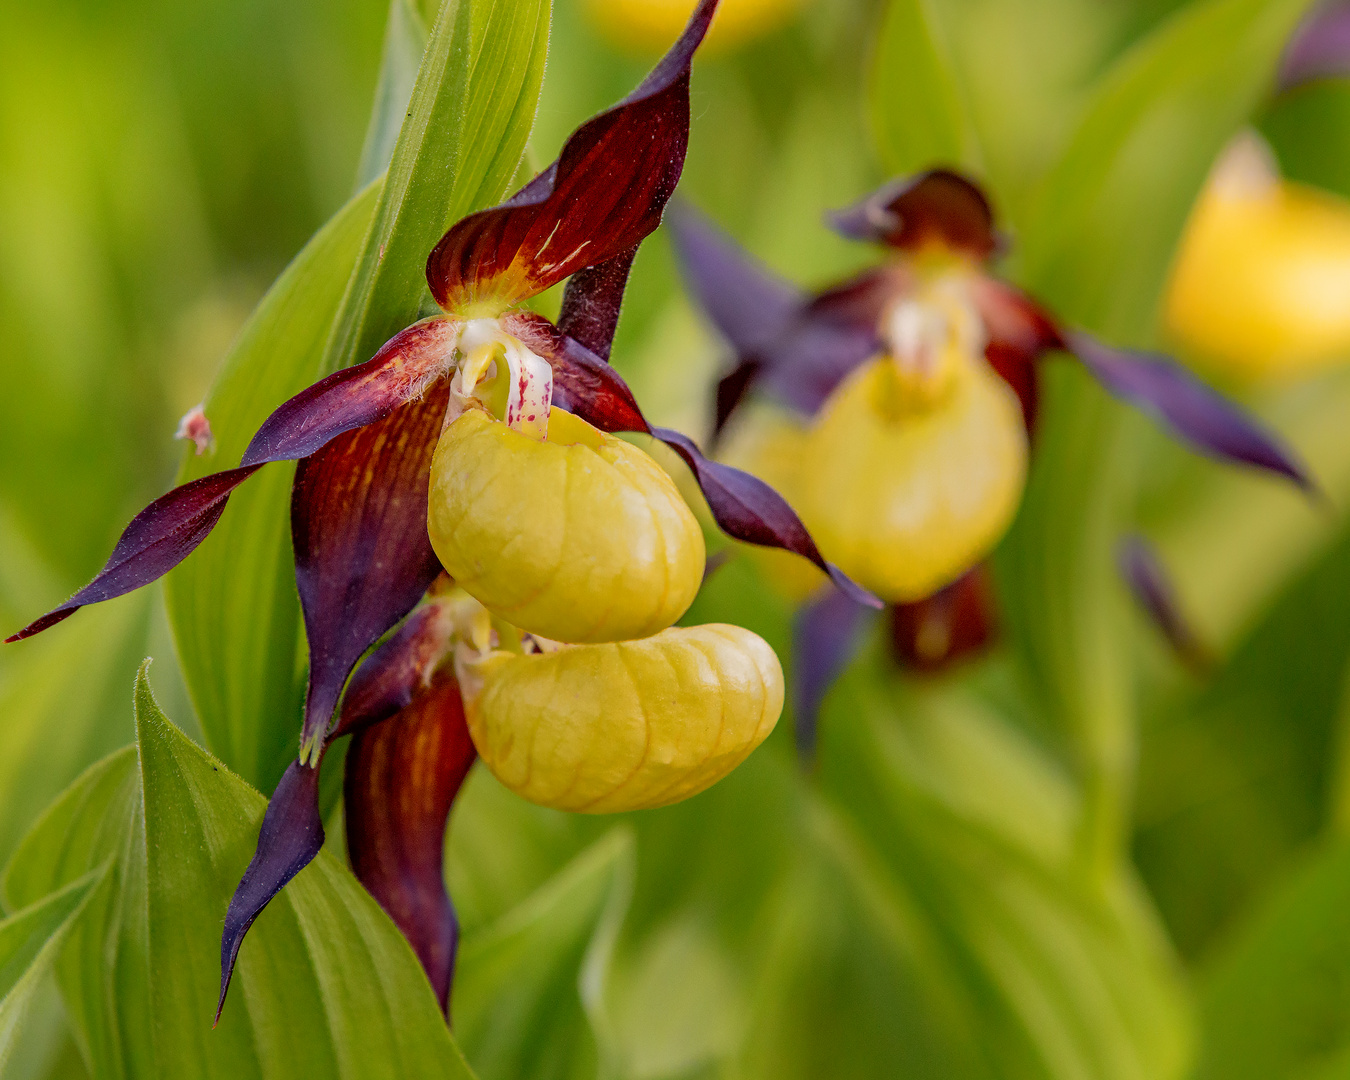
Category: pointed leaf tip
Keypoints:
(1198, 414)
(290, 838)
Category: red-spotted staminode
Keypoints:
(911, 397)
(442, 452)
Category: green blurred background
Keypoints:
(1073, 858)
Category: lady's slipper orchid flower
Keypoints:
(1260, 285)
(648, 25)
(481, 440)
(914, 389)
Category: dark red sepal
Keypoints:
(937, 207)
(603, 195)
(1152, 588)
(744, 507)
(826, 634)
(1198, 414)
(362, 556)
(402, 777)
(291, 835)
(168, 530)
(954, 624)
(592, 302)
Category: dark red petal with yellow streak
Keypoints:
(362, 556)
(170, 528)
(939, 207)
(603, 195)
(955, 623)
(291, 835)
(402, 778)
(743, 506)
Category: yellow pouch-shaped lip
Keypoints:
(632, 725)
(905, 502)
(582, 538)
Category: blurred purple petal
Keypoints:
(362, 556)
(291, 835)
(1152, 588)
(955, 623)
(940, 207)
(402, 777)
(592, 302)
(825, 636)
(1199, 415)
(1319, 48)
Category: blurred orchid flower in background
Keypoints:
(646, 26)
(912, 392)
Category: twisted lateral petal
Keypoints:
(1320, 47)
(170, 528)
(601, 729)
(402, 777)
(744, 507)
(362, 557)
(931, 634)
(580, 538)
(603, 195)
(937, 207)
(292, 834)
(592, 301)
(1199, 415)
(825, 635)
(1152, 588)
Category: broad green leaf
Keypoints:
(917, 112)
(528, 984)
(326, 985)
(405, 39)
(1276, 1003)
(233, 605)
(29, 942)
(466, 128)
(1111, 210)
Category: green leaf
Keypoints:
(467, 125)
(1111, 210)
(405, 39)
(1277, 1002)
(528, 984)
(29, 942)
(326, 985)
(917, 112)
(233, 605)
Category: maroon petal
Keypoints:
(168, 530)
(603, 195)
(291, 835)
(937, 207)
(1199, 415)
(1320, 47)
(362, 556)
(1020, 333)
(389, 679)
(592, 302)
(825, 636)
(953, 624)
(402, 777)
(1152, 588)
(743, 506)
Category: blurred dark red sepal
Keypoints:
(936, 207)
(291, 835)
(1153, 590)
(390, 679)
(825, 635)
(402, 777)
(1020, 332)
(1319, 48)
(171, 528)
(954, 624)
(744, 507)
(603, 195)
(362, 556)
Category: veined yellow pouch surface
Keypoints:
(582, 538)
(626, 726)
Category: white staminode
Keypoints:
(482, 345)
(924, 330)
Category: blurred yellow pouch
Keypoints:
(629, 725)
(580, 538)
